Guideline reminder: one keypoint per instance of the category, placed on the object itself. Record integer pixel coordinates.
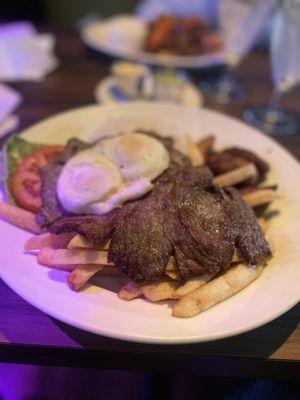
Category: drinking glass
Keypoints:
(241, 21)
(285, 65)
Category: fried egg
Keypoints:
(136, 155)
(110, 173)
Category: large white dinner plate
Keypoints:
(95, 36)
(100, 310)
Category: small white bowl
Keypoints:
(129, 77)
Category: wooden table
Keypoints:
(29, 336)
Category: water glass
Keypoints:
(285, 66)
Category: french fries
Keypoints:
(81, 274)
(159, 290)
(79, 241)
(130, 291)
(52, 257)
(195, 155)
(175, 275)
(19, 217)
(216, 291)
(48, 240)
(260, 197)
(191, 285)
(236, 176)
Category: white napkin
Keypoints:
(9, 101)
(25, 54)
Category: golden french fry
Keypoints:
(79, 241)
(191, 285)
(107, 270)
(175, 275)
(260, 197)
(63, 267)
(171, 266)
(159, 290)
(129, 291)
(53, 257)
(216, 291)
(48, 240)
(194, 153)
(237, 175)
(19, 217)
(81, 274)
(237, 256)
(171, 269)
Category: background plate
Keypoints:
(101, 311)
(94, 36)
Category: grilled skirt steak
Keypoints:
(184, 216)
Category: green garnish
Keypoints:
(17, 149)
(11, 155)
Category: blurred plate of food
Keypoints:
(167, 41)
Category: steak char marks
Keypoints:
(184, 216)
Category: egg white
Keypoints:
(110, 173)
(137, 155)
(85, 179)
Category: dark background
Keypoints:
(62, 12)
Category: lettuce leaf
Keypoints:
(12, 153)
(17, 149)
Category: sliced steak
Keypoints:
(248, 235)
(96, 228)
(139, 247)
(204, 234)
(180, 217)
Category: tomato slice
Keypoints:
(25, 182)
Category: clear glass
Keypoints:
(241, 21)
(285, 66)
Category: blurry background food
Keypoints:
(69, 12)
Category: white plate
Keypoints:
(95, 36)
(101, 311)
(105, 93)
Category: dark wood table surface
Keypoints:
(29, 336)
